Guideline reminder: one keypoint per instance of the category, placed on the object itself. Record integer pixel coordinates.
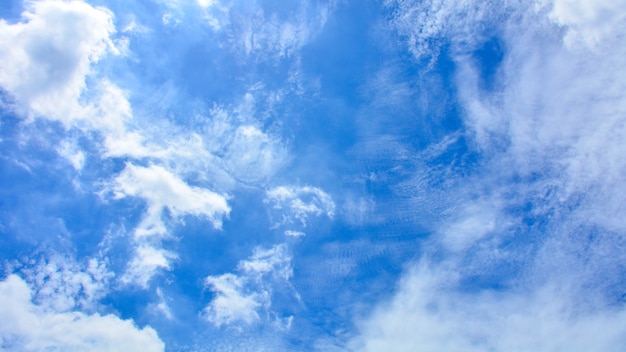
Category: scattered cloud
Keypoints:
(163, 190)
(61, 284)
(587, 23)
(292, 204)
(246, 298)
(428, 25)
(149, 257)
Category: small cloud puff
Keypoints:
(291, 204)
(240, 298)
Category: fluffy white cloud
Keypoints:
(241, 298)
(46, 57)
(292, 203)
(230, 304)
(588, 22)
(163, 190)
(25, 326)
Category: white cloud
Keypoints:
(588, 22)
(258, 33)
(559, 113)
(252, 156)
(550, 137)
(27, 327)
(163, 190)
(163, 307)
(148, 259)
(47, 60)
(429, 314)
(239, 299)
(47, 56)
(291, 204)
(61, 284)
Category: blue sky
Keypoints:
(312, 175)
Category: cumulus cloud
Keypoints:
(25, 326)
(587, 22)
(162, 190)
(292, 204)
(149, 257)
(47, 56)
(241, 298)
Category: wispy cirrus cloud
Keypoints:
(261, 32)
(162, 191)
(509, 241)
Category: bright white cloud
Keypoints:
(588, 22)
(47, 60)
(46, 57)
(163, 190)
(235, 142)
(242, 298)
(230, 304)
(25, 326)
(429, 24)
(291, 204)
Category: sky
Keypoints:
(312, 175)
